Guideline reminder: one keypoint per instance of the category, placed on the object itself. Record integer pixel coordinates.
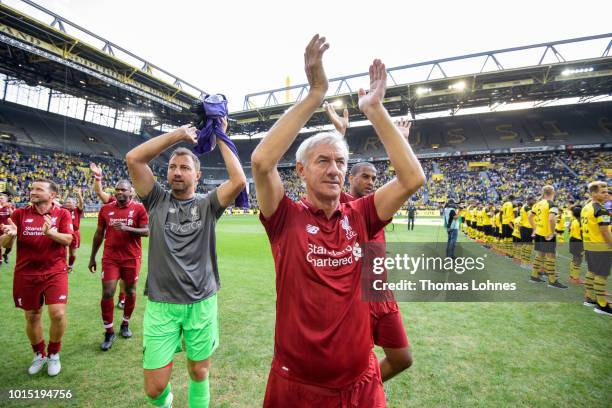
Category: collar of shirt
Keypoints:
(34, 210)
(127, 204)
(318, 211)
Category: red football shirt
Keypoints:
(75, 216)
(38, 254)
(5, 213)
(122, 245)
(322, 333)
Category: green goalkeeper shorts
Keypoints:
(164, 323)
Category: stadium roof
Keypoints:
(55, 55)
(487, 82)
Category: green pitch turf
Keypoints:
(465, 354)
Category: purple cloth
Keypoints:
(207, 140)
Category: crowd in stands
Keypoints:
(448, 177)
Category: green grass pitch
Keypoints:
(465, 354)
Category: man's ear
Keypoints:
(299, 167)
(198, 175)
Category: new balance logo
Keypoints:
(62, 297)
(312, 229)
(29, 220)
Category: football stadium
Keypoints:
(439, 239)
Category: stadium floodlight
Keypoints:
(422, 91)
(568, 72)
(457, 86)
(338, 103)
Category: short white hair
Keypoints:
(331, 138)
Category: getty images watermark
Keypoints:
(418, 272)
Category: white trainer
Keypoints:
(38, 362)
(53, 365)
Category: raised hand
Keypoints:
(340, 123)
(403, 125)
(189, 133)
(96, 171)
(378, 85)
(10, 228)
(313, 65)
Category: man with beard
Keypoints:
(107, 198)
(121, 223)
(43, 230)
(183, 278)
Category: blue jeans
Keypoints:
(452, 241)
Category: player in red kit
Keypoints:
(74, 205)
(387, 325)
(323, 348)
(42, 230)
(107, 198)
(6, 209)
(121, 223)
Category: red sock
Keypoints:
(54, 348)
(39, 348)
(122, 297)
(130, 304)
(107, 307)
(71, 259)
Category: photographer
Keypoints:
(451, 223)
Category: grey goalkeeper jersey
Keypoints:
(182, 246)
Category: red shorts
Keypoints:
(30, 291)
(366, 392)
(387, 325)
(128, 270)
(76, 240)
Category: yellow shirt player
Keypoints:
(542, 218)
(597, 239)
(485, 215)
(560, 225)
(576, 247)
(507, 217)
(526, 229)
(516, 231)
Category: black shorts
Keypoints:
(516, 239)
(599, 262)
(526, 234)
(488, 230)
(576, 247)
(506, 231)
(544, 246)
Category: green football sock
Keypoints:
(164, 399)
(199, 393)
